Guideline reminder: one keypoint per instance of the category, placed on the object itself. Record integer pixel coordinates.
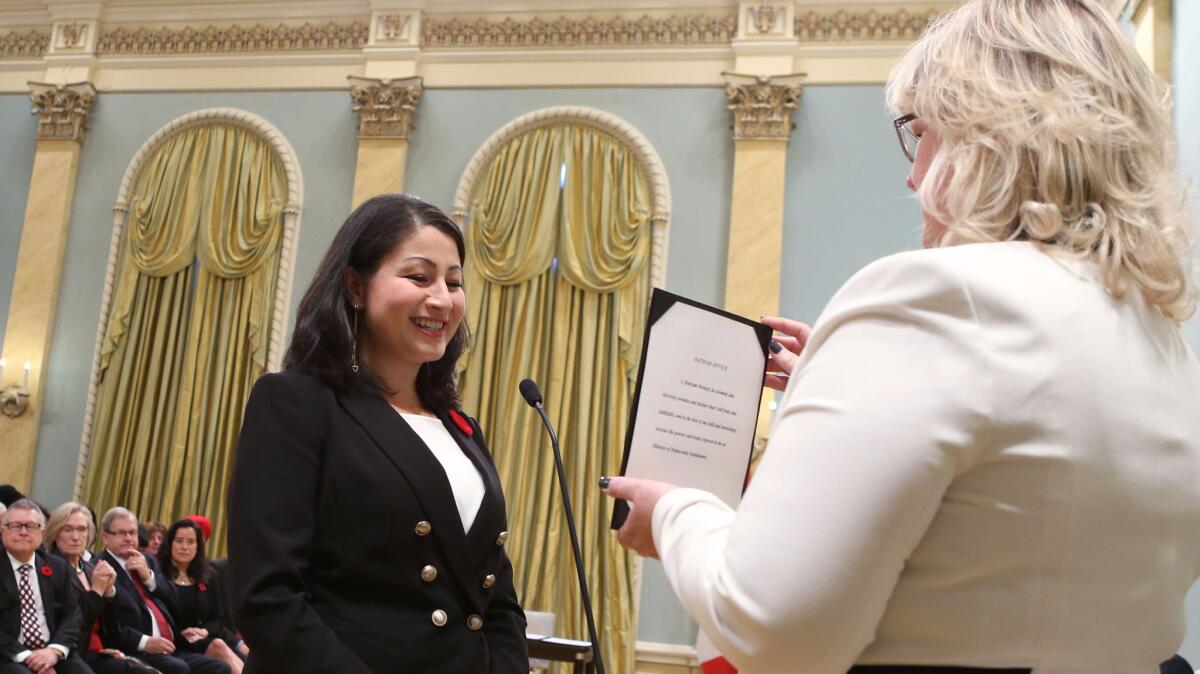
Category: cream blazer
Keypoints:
(982, 459)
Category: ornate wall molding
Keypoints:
(332, 36)
(291, 226)
(868, 26)
(62, 111)
(31, 44)
(762, 106)
(385, 107)
(656, 172)
(588, 31)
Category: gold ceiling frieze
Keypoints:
(867, 26)
(588, 31)
(21, 44)
(332, 36)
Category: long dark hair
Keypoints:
(324, 336)
(198, 568)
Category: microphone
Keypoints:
(533, 396)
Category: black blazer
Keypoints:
(133, 617)
(337, 507)
(93, 607)
(206, 611)
(59, 600)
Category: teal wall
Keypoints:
(321, 129)
(17, 132)
(1186, 71)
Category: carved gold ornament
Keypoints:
(330, 36)
(844, 26)
(62, 111)
(72, 35)
(588, 31)
(385, 107)
(762, 106)
(19, 45)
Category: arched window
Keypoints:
(193, 312)
(566, 211)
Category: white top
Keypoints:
(982, 459)
(36, 588)
(465, 480)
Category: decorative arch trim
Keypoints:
(626, 133)
(291, 225)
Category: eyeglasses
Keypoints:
(124, 532)
(908, 138)
(23, 526)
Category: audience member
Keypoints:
(146, 625)
(69, 533)
(39, 608)
(198, 603)
(9, 495)
(155, 531)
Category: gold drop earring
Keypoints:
(354, 342)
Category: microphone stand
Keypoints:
(583, 588)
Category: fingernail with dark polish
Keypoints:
(775, 346)
(604, 482)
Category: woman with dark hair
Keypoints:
(368, 527)
(198, 606)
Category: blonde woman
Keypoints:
(988, 454)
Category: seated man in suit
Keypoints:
(39, 609)
(144, 602)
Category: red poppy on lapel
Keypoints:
(47, 571)
(462, 423)
(201, 587)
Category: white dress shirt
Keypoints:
(982, 459)
(465, 480)
(44, 626)
(150, 587)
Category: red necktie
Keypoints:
(164, 628)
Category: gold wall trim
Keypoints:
(331, 36)
(869, 26)
(291, 226)
(656, 172)
(24, 44)
(587, 31)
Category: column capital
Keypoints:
(385, 107)
(762, 106)
(62, 110)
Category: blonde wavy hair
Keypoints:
(1052, 130)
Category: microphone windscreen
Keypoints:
(530, 392)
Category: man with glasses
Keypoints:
(39, 607)
(144, 602)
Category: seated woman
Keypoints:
(198, 609)
(69, 533)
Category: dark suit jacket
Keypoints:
(94, 607)
(220, 572)
(206, 611)
(133, 617)
(59, 600)
(325, 553)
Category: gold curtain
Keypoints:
(558, 286)
(189, 327)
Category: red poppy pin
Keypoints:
(462, 423)
(47, 571)
(201, 587)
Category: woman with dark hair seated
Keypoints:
(69, 532)
(198, 605)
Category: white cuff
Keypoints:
(142, 643)
(20, 657)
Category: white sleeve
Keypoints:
(883, 410)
